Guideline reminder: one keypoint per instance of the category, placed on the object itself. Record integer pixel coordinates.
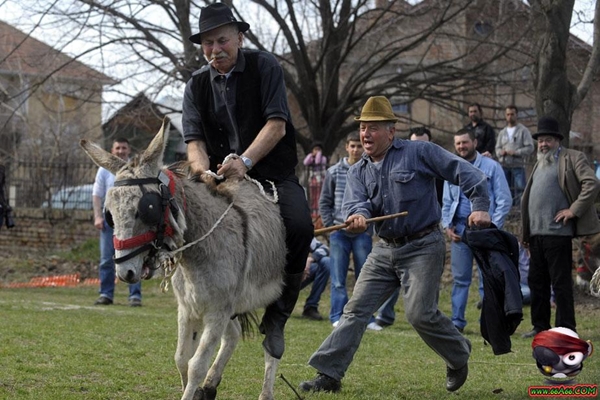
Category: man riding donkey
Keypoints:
(237, 104)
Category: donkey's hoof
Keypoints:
(209, 393)
(199, 394)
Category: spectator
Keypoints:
(513, 147)
(484, 133)
(424, 134)
(315, 158)
(558, 204)
(104, 181)
(316, 272)
(343, 243)
(412, 249)
(5, 208)
(316, 164)
(237, 104)
(455, 213)
(524, 273)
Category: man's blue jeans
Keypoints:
(417, 268)
(515, 176)
(107, 267)
(318, 276)
(461, 261)
(341, 244)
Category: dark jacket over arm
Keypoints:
(497, 253)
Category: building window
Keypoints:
(527, 113)
(401, 108)
(482, 28)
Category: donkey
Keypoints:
(232, 264)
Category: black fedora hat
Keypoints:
(214, 16)
(547, 126)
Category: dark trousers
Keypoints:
(299, 229)
(550, 266)
(299, 233)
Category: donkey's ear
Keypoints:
(154, 153)
(101, 157)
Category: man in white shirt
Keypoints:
(104, 181)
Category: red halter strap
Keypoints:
(150, 236)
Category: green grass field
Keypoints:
(54, 344)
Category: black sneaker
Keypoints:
(312, 313)
(455, 378)
(530, 334)
(135, 303)
(103, 301)
(321, 383)
(381, 323)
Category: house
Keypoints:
(140, 119)
(48, 100)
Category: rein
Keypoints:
(274, 199)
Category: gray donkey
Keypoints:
(235, 266)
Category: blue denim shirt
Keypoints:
(406, 182)
(498, 191)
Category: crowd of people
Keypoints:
(225, 112)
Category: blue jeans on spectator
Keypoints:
(386, 314)
(417, 267)
(461, 261)
(526, 293)
(341, 244)
(318, 276)
(107, 267)
(515, 176)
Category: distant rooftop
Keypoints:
(20, 53)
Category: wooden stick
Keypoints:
(369, 220)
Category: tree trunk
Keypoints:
(553, 90)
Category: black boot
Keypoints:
(277, 314)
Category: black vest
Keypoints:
(276, 165)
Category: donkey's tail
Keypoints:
(249, 323)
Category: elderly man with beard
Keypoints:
(558, 204)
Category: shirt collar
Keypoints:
(396, 143)
(239, 67)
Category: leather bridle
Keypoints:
(164, 200)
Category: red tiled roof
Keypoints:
(20, 53)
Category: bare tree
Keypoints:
(556, 94)
(335, 54)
